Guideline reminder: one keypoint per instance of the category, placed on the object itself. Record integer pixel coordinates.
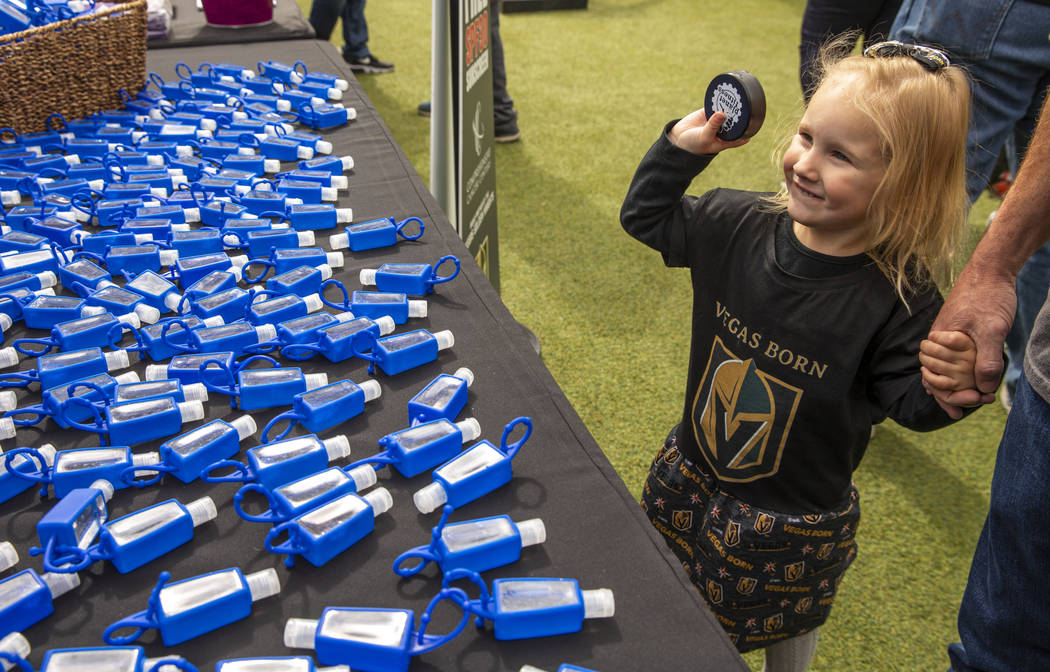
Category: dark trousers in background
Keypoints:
(324, 14)
(826, 18)
(503, 111)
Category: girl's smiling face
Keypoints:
(832, 169)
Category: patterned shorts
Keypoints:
(765, 575)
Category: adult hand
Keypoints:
(981, 304)
(697, 134)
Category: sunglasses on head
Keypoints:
(928, 57)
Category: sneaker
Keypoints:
(424, 109)
(507, 133)
(369, 64)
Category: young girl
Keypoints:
(808, 310)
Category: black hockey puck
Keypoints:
(740, 96)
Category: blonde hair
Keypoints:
(919, 209)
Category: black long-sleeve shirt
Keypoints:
(794, 354)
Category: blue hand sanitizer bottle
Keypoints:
(301, 281)
(135, 422)
(411, 279)
(374, 234)
(401, 352)
(443, 397)
(374, 639)
(189, 608)
(420, 447)
(26, 598)
(267, 388)
(475, 545)
(325, 407)
(72, 524)
(131, 541)
(535, 607)
(187, 455)
(326, 531)
(473, 473)
(377, 304)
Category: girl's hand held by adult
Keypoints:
(697, 134)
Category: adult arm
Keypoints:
(983, 300)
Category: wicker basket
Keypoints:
(76, 66)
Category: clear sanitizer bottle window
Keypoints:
(189, 608)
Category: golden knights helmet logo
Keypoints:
(732, 535)
(803, 605)
(764, 523)
(824, 552)
(746, 585)
(794, 571)
(714, 592)
(741, 417)
(773, 623)
(682, 519)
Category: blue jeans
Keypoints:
(323, 15)
(1003, 621)
(1004, 46)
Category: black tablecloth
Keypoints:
(596, 532)
(190, 28)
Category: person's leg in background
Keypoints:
(505, 117)
(355, 37)
(791, 655)
(323, 15)
(1003, 620)
(823, 19)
